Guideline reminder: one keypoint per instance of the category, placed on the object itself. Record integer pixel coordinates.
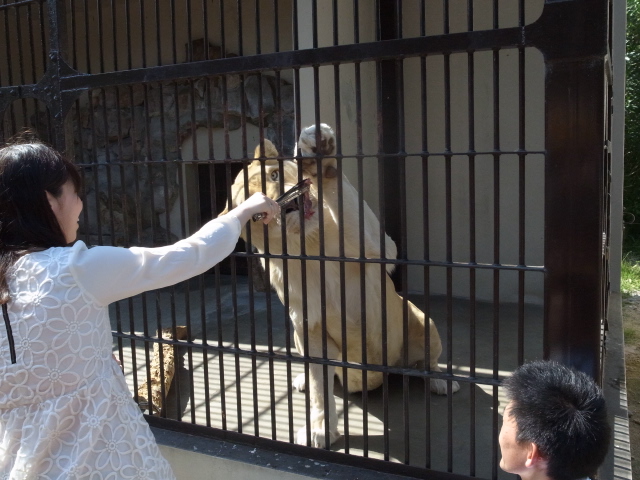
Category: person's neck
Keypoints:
(536, 475)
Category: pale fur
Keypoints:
(373, 281)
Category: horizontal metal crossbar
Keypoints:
(411, 372)
(361, 52)
(20, 3)
(398, 261)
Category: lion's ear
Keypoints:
(270, 150)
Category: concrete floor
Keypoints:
(233, 390)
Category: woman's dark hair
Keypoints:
(28, 170)
(563, 412)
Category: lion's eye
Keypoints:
(275, 175)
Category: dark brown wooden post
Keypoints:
(575, 49)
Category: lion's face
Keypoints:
(278, 178)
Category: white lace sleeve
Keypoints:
(109, 274)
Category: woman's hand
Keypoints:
(256, 203)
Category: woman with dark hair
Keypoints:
(65, 408)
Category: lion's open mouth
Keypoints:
(302, 202)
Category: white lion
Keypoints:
(311, 296)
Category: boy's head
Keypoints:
(555, 422)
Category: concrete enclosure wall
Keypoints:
(494, 97)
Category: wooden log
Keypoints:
(156, 405)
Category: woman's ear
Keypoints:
(52, 201)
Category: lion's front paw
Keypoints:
(318, 438)
(439, 386)
(300, 383)
(313, 148)
(308, 140)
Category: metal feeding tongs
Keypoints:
(287, 197)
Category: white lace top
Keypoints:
(65, 409)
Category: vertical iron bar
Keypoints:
(95, 170)
(334, 9)
(229, 181)
(285, 280)
(251, 262)
(223, 40)
(425, 236)
(143, 35)
(303, 251)
(363, 296)
(232, 258)
(32, 50)
(341, 254)
(322, 265)
(496, 243)
(143, 297)
(43, 39)
(74, 36)
(212, 196)
(100, 36)
(265, 228)
(472, 245)
(183, 233)
(314, 22)
(172, 294)
(190, 38)
(257, 26)
(114, 32)
(448, 157)
(160, 345)
(276, 28)
(21, 55)
(521, 191)
(7, 43)
(240, 36)
(110, 184)
(296, 43)
(80, 157)
(402, 213)
(356, 21)
(383, 271)
(125, 214)
(243, 128)
(172, 17)
(205, 28)
(87, 45)
(127, 28)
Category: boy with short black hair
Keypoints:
(555, 425)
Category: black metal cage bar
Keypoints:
(478, 138)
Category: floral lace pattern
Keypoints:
(65, 409)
